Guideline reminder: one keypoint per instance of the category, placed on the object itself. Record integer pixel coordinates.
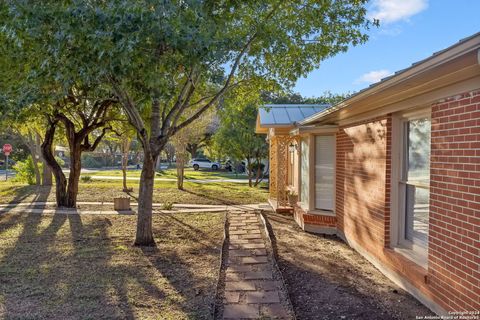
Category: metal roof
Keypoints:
(273, 115)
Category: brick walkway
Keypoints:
(251, 290)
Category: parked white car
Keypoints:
(204, 164)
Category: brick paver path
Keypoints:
(250, 289)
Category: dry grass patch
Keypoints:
(106, 190)
(84, 267)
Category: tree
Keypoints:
(203, 134)
(162, 59)
(236, 135)
(80, 105)
(296, 98)
(28, 127)
(85, 121)
(194, 134)
(121, 137)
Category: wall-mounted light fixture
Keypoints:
(292, 147)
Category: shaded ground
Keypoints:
(326, 279)
(84, 267)
(103, 190)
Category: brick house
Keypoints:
(394, 170)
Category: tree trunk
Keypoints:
(249, 170)
(47, 174)
(38, 176)
(125, 150)
(192, 148)
(144, 236)
(260, 173)
(180, 172)
(61, 181)
(33, 145)
(74, 176)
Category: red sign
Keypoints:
(7, 149)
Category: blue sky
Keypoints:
(410, 30)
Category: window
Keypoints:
(416, 178)
(324, 172)
(412, 185)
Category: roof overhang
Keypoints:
(457, 64)
(265, 129)
(258, 127)
(305, 130)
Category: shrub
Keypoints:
(86, 179)
(167, 205)
(90, 162)
(25, 171)
(254, 167)
(60, 161)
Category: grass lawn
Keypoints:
(84, 267)
(165, 191)
(172, 173)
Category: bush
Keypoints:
(167, 205)
(60, 161)
(90, 162)
(86, 179)
(25, 171)
(254, 167)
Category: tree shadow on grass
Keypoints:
(208, 197)
(69, 266)
(190, 280)
(21, 193)
(6, 220)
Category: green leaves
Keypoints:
(149, 48)
(146, 41)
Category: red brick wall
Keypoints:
(363, 200)
(454, 243)
(363, 183)
(314, 219)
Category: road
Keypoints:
(11, 174)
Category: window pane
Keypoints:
(419, 151)
(416, 223)
(418, 181)
(324, 172)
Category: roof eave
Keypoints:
(456, 51)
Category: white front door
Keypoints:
(324, 172)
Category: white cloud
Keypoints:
(388, 11)
(373, 76)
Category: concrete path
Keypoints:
(39, 207)
(251, 288)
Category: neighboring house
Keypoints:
(395, 171)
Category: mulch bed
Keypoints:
(326, 279)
